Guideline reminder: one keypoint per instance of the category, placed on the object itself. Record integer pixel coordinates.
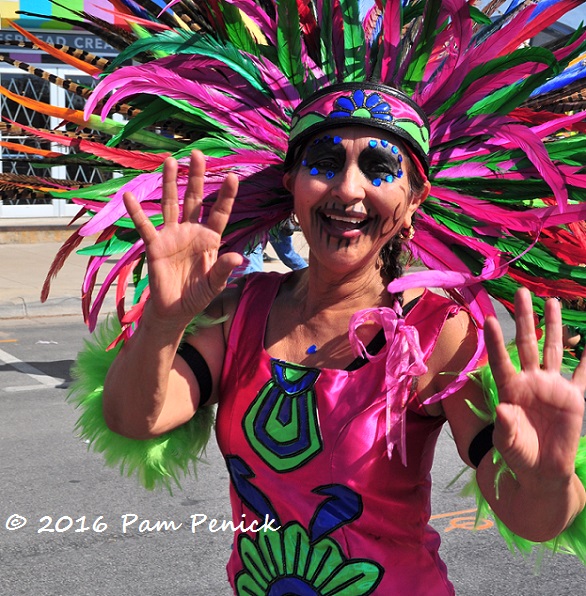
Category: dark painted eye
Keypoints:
(379, 163)
(375, 169)
(325, 157)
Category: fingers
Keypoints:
(553, 346)
(143, 224)
(579, 376)
(220, 212)
(192, 201)
(169, 200)
(506, 430)
(525, 336)
(222, 269)
(498, 357)
(194, 191)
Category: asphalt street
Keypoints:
(89, 531)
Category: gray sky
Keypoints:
(575, 17)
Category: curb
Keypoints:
(19, 232)
(56, 307)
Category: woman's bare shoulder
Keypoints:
(456, 345)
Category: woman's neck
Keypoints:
(322, 291)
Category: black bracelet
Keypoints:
(481, 444)
(200, 369)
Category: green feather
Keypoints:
(159, 462)
(354, 42)
(498, 65)
(197, 44)
(508, 98)
(97, 192)
(144, 137)
(479, 17)
(327, 52)
(238, 33)
(140, 283)
(142, 33)
(499, 191)
(156, 110)
(425, 45)
(118, 244)
(166, 43)
(289, 42)
(570, 150)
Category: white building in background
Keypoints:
(20, 82)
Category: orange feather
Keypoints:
(47, 47)
(75, 116)
(33, 150)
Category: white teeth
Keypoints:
(351, 220)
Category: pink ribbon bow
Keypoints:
(404, 360)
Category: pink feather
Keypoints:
(131, 255)
(392, 37)
(154, 80)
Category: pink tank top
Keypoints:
(318, 506)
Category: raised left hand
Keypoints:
(540, 415)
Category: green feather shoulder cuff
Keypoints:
(157, 462)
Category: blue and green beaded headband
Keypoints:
(364, 104)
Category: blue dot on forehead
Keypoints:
(372, 143)
(337, 140)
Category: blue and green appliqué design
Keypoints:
(287, 562)
(281, 424)
(361, 105)
(296, 560)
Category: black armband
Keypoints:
(481, 444)
(200, 369)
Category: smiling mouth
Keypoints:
(343, 225)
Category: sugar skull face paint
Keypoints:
(366, 104)
(352, 194)
(380, 161)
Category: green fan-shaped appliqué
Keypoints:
(286, 562)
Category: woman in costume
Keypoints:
(505, 180)
(331, 440)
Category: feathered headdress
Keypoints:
(224, 76)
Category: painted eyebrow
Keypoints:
(383, 155)
(324, 149)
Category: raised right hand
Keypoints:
(185, 271)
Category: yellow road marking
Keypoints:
(453, 513)
(463, 520)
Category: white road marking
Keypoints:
(19, 388)
(29, 370)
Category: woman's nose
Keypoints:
(350, 184)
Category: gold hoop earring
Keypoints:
(407, 234)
